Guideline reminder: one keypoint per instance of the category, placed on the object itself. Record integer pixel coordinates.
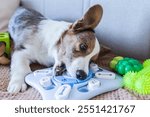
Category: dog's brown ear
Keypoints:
(90, 20)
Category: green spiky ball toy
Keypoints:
(142, 85)
(129, 80)
(139, 81)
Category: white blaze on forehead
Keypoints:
(95, 50)
(88, 57)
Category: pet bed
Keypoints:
(32, 94)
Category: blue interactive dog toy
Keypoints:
(67, 88)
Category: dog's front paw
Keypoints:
(59, 70)
(15, 87)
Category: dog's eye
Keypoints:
(83, 47)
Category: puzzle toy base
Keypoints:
(67, 88)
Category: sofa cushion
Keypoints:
(125, 25)
(7, 8)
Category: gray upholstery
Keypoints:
(125, 26)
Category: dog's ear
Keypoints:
(90, 20)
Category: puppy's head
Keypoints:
(79, 44)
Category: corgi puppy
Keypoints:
(65, 45)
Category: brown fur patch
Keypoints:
(70, 43)
(87, 38)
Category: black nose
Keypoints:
(81, 75)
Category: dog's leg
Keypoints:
(59, 66)
(19, 69)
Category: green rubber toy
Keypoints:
(4, 37)
(114, 62)
(139, 81)
(124, 65)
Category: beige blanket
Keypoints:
(32, 94)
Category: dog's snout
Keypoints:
(81, 75)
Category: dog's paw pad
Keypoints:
(16, 87)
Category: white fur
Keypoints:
(41, 48)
